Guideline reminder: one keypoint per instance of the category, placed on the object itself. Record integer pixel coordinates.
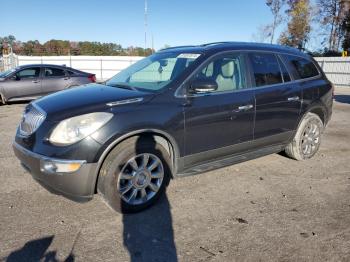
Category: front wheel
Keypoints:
(134, 174)
(307, 139)
(2, 100)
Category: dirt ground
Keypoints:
(269, 209)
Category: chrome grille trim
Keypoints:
(33, 117)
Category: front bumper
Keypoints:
(78, 186)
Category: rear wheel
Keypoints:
(134, 174)
(307, 139)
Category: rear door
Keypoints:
(25, 83)
(216, 122)
(54, 79)
(278, 99)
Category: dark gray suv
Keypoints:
(181, 111)
(32, 81)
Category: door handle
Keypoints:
(244, 108)
(35, 81)
(294, 98)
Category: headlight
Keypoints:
(74, 129)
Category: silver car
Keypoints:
(32, 81)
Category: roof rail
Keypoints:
(174, 47)
(217, 43)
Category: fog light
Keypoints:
(58, 166)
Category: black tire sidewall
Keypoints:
(123, 153)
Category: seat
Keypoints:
(225, 77)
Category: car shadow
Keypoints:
(22, 102)
(36, 250)
(148, 235)
(342, 99)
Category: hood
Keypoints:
(88, 98)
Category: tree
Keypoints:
(329, 16)
(345, 27)
(263, 34)
(298, 27)
(275, 8)
(62, 47)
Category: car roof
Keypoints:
(46, 65)
(226, 46)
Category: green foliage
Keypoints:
(63, 47)
(298, 28)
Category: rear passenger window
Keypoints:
(266, 69)
(305, 68)
(50, 72)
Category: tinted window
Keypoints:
(266, 69)
(33, 72)
(305, 68)
(228, 72)
(49, 72)
(71, 73)
(285, 74)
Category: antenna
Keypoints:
(145, 24)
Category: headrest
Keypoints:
(227, 69)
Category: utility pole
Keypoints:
(145, 25)
(152, 43)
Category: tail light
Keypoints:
(92, 78)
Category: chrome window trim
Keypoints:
(177, 95)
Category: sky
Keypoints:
(177, 22)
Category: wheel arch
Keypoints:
(159, 136)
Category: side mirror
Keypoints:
(204, 85)
(15, 77)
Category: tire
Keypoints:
(118, 173)
(307, 139)
(2, 100)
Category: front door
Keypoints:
(25, 83)
(217, 121)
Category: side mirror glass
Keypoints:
(205, 85)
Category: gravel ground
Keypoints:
(269, 209)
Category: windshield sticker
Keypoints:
(188, 56)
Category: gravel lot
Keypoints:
(269, 209)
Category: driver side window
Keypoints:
(228, 71)
(32, 72)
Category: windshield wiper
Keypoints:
(123, 86)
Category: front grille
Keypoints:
(32, 118)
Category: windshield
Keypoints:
(154, 72)
(6, 73)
